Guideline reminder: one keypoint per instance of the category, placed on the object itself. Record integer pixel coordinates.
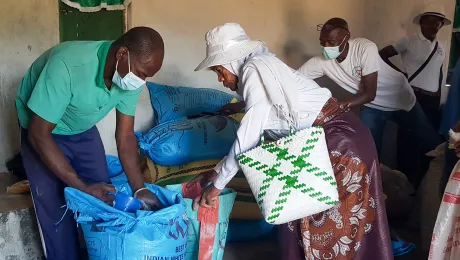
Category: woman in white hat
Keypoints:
(275, 98)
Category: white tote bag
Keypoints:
(445, 243)
(291, 178)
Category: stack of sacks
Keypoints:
(177, 139)
(183, 145)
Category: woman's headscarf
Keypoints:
(278, 79)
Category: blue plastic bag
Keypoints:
(116, 235)
(114, 165)
(401, 248)
(219, 237)
(191, 140)
(119, 179)
(172, 103)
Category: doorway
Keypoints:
(96, 26)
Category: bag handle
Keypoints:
(292, 131)
(424, 64)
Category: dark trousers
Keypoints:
(430, 105)
(85, 152)
(423, 131)
(416, 131)
(415, 164)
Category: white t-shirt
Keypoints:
(393, 89)
(414, 51)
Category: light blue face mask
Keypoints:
(128, 82)
(332, 53)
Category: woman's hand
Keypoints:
(204, 178)
(231, 108)
(207, 198)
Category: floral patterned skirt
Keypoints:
(357, 227)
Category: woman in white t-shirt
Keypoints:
(358, 223)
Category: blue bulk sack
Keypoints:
(172, 103)
(191, 140)
(196, 245)
(114, 165)
(145, 235)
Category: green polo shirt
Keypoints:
(65, 86)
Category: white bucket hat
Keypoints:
(434, 10)
(225, 44)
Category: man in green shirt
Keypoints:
(66, 91)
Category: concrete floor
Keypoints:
(19, 237)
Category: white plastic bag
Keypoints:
(445, 243)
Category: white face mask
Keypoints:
(128, 82)
(332, 53)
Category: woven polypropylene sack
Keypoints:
(111, 234)
(445, 243)
(293, 177)
(207, 230)
(192, 140)
(169, 175)
(172, 103)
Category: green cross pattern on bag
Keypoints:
(302, 163)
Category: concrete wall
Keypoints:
(287, 26)
(27, 28)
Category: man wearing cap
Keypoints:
(66, 91)
(383, 93)
(423, 56)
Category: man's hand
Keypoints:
(150, 201)
(203, 178)
(101, 191)
(456, 129)
(231, 108)
(345, 104)
(207, 198)
(457, 149)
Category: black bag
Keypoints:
(16, 167)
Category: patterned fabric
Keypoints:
(357, 227)
(346, 223)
